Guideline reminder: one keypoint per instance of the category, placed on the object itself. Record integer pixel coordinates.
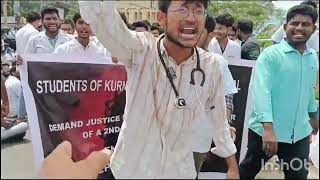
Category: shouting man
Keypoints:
(170, 81)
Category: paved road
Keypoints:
(17, 162)
(17, 159)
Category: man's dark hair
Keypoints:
(124, 17)
(157, 27)
(225, 19)
(156, 24)
(49, 10)
(303, 9)
(234, 28)
(164, 4)
(147, 23)
(310, 2)
(4, 64)
(33, 16)
(245, 26)
(68, 21)
(76, 17)
(210, 24)
(140, 24)
(154, 28)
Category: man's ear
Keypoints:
(314, 28)
(162, 18)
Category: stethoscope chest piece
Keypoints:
(180, 102)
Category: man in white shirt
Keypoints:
(232, 33)
(52, 37)
(13, 86)
(45, 41)
(31, 28)
(22, 37)
(156, 136)
(84, 43)
(67, 27)
(9, 94)
(221, 44)
(203, 138)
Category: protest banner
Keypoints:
(215, 166)
(82, 100)
(79, 99)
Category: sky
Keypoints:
(286, 4)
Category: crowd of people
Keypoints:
(284, 109)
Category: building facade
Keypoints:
(139, 10)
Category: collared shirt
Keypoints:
(282, 92)
(232, 50)
(23, 35)
(156, 137)
(313, 41)
(53, 40)
(74, 46)
(40, 43)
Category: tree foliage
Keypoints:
(72, 10)
(256, 11)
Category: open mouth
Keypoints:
(298, 35)
(84, 32)
(188, 32)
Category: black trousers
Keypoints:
(293, 158)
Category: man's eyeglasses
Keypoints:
(184, 12)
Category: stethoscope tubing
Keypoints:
(169, 76)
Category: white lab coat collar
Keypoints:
(61, 38)
(76, 43)
(232, 50)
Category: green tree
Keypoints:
(259, 12)
(256, 11)
(72, 9)
(26, 6)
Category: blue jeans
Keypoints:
(21, 109)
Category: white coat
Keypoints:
(40, 43)
(232, 51)
(23, 35)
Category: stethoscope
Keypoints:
(181, 102)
